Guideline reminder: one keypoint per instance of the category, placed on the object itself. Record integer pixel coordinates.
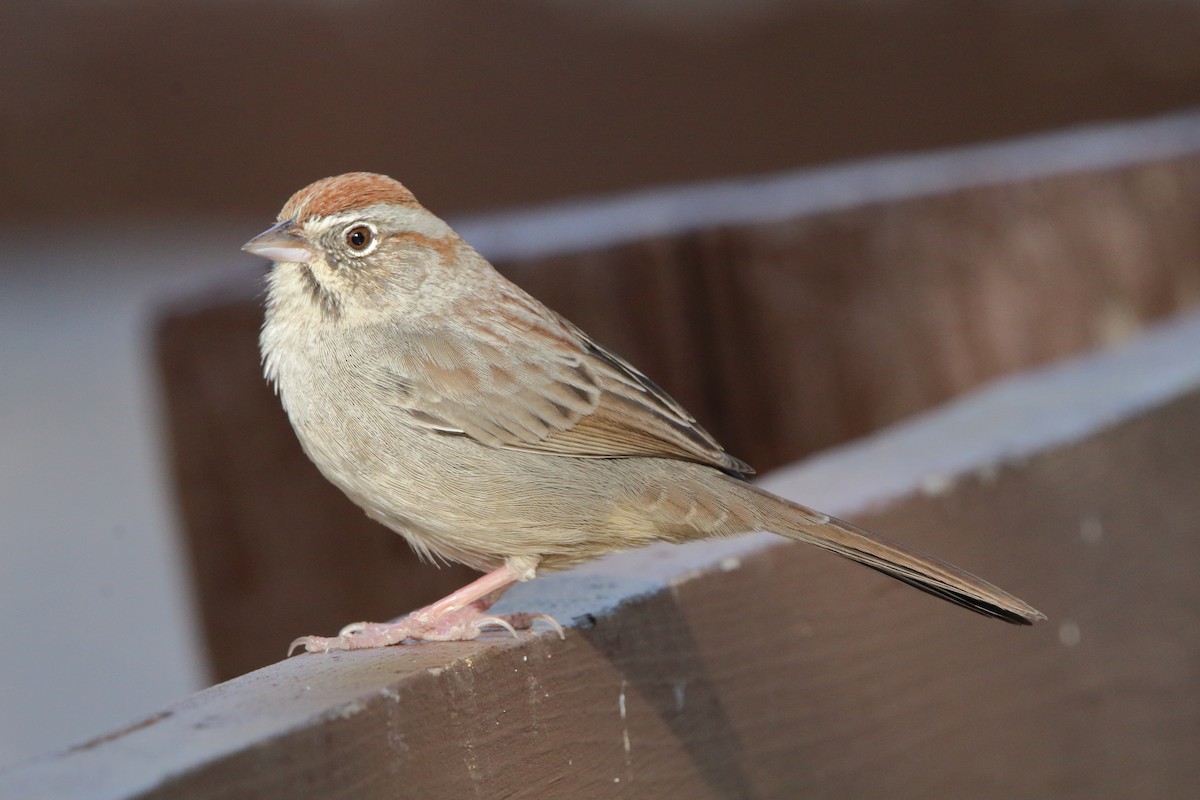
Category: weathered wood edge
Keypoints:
(588, 224)
(1025, 415)
(594, 223)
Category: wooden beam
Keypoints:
(781, 197)
(750, 668)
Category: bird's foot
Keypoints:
(426, 625)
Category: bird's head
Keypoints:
(359, 243)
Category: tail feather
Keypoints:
(901, 562)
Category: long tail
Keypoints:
(891, 558)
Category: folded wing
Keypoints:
(552, 390)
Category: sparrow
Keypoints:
(486, 429)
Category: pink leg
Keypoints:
(458, 616)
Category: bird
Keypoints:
(486, 429)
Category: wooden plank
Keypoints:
(747, 668)
(789, 313)
(596, 223)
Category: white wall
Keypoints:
(94, 595)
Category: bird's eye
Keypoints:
(359, 237)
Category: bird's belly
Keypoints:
(455, 498)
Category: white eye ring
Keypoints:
(360, 238)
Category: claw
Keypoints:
(551, 621)
(300, 642)
(525, 622)
(425, 625)
(315, 644)
(500, 621)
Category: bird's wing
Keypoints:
(553, 391)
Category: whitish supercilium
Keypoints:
(484, 428)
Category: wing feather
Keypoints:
(555, 391)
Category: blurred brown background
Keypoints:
(132, 108)
(142, 142)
